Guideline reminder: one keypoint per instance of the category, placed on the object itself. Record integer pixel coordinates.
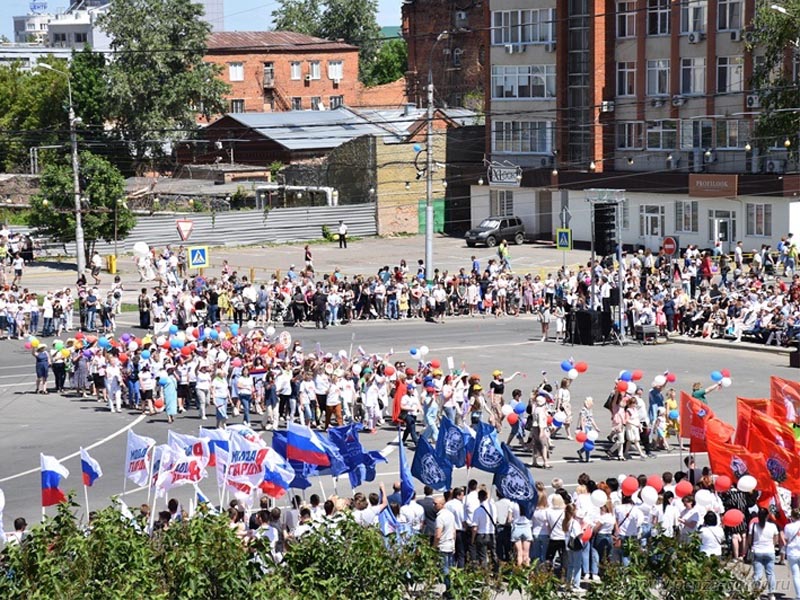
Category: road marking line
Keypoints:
(135, 422)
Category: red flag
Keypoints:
(785, 397)
(694, 415)
(719, 430)
(744, 409)
(775, 440)
(737, 461)
(773, 431)
(401, 390)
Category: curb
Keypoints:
(780, 351)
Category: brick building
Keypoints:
(456, 60)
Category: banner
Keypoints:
(775, 441)
(137, 458)
(430, 468)
(487, 454)
(694, 415)
(516, 482)
(785, 397)
(245, 468)
(452, 443)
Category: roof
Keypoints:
(405, 121)
(271, 40)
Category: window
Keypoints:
(236, 71)
(662, 135)
(296, 70)
(313, 69)
(759, 219)
(526, 81)
(269, 73)
(732, 133)
(686, 217)
(626, 78)
(457, 53)
(536, 26)
(237, 105)
(629, 135)
(651, 220)
(721, 225)
(626, 19)
(335, 70)
(60, 38)
(316, 103)
(693, 16)
(729, 15)
(658, 17)
(522, 137)
(729, 74)
(297, 103)
(697, 133)
(658, 77)
(336, 102)
(693, 76)
(81, 38)
(502, 203)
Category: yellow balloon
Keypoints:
(64, 352)
(78, 344)
(34, 343)
(147, 340)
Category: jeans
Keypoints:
(794, 569)
(134, 395)
(47, 328)
(35, 322)
(762, 563)
(602, 546)
(539, 548)
(391, 309)
(90, 316)
(574, 566)
(448, 562)
(590, 560)
(411, 428)
(333, 314)
(245, 400)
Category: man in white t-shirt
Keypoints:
(342, 235)
(444, 538)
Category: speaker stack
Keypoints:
(605, 229)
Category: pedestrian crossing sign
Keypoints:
(564, 239)
(198, 257)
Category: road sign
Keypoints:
(670, 244)
(185, 227)
(563, 239)
(198, 257)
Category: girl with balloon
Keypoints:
(587, 430)
(563, 405)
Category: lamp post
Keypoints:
(76, 184)
(429, 167)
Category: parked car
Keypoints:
(494, 229)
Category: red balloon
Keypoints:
(733, 518)
(581, 367)
(186, 350)
(549, 419)
(166, 345)
(622, 386)
(722, 484)
(630, 486)
(388, 370)
(725, 372)
(580, 437)
(196, 332)
(513, 418)
(684, 488)
(637, 375)
(79, 335)
(435, 364)
(671, 377)
(123, 358)
(264, 350)
(279, 348)
(586, 535)
(158, 403)
(655, 481)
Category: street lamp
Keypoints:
(429, 168)
(76, 184)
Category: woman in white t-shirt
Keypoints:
(603, 534)
(791, 534)
(221, 395)
(203, 385)
(762, 537)
(711, 535)
(540, 527)
(665, 515)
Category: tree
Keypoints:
(390, 63)
(355, 22)
(158, 81)
(301, 16)
(102, 186)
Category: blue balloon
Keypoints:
(716, 376)
(235, 329)
(557, 424)
(588, 445)
(214, 334)
(519, 408)
(104, 343)
(176, 343)
(417, 148)
(173, 329)
(566, 366)
(163, 381)
(674, 414)
(413, 351)
(146, 354)
(626, 376)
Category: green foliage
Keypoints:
(103, 187)
(327, 234)
(390, 63)
(301, 16)
(533, 583)
(158, 76)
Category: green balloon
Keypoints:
(58, 345)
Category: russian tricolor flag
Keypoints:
(52, 474)
(217, 439)
(302, 444)
(90, 469)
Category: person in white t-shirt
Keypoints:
(711, 535)
(444, 540)
(791, 535)
(762, 537)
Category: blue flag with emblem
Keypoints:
(516, 483)
(406, 483)
(430, 468)
(346, 451)
(487, 454)
(452, 443)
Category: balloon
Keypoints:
(79, 335)
(592, 435)
(133, 347)
(581, 367)
(573, 374)
(671, 377)
(181, 336)
(599, 498)
(28, 346)
(519, 408)
(674, 414)
(125, 337)
(704, 498)
(733, 518)
(716, 376)
(145, 354)
(147, 340)
(550, 420)
(234, 329)
(659, 381)
(123, 358)
(435, 364)
(342, 354)
(236, 362)
(58, 344)
(622, 386)
(747, 484)
(163, 380)
(556, 423)
(566, 366)
(560, 416)
(636, 375)
(186, 351)
(423, 350)
(726, 382)
(722, 483)
(655, 482)
(684, 488)
(141, 249)
(160, 340)
(34, 343)
(264, 350)
(725, 372)
(270, 331)
(389, 370)
(173, 329)
(87, 354)
(649, 495)
(513, 418)
(580, 437)
(588, 445)
(251, 324)
(158, 403)
(631, 387)
(630, 486)
(625, 376)
(64, 352)
(214, 334)
(356, 369)
(413, 352)
(507, 409)
(587, 534)
(104, 343)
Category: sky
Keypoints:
(241, 15)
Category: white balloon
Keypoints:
(423, 350)
(343, 354)
(2, 501)
(560, 417)
(573, 373)
(747, 484)
(507, 409)
(631, 387)
(270, 331)
(592, 435)
(726, 382)
(160, 340)
(599, 498)
(141, 249)
(659, 380)
(251, 324)
(133, 347)
(704, 498)
(181, 336)
(356, 369)
(649, 495)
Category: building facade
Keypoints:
(31, 28)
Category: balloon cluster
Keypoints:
(587, 439)
(573, 369)
(513, 412)
(662, 380)
(420, 352)
(626, 382)
(722, 377)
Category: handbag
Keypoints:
(617, 540)
(575, 543)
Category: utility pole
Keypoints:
(429, 167)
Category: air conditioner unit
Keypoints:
(748, 37)
(736, 35)
(511, 49)
(775, 165)
(461, 16)
(607, 106)
(657, 102)
(695, 37)
(547, 161)
(753, 101)
(550, 47)
(678, 101)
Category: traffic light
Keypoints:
(605, 229)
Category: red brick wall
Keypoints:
(387, 95)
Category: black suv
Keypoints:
(494, 229)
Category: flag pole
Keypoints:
(149, 472)
(41, 471)
(86, 499)
(324, 495)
